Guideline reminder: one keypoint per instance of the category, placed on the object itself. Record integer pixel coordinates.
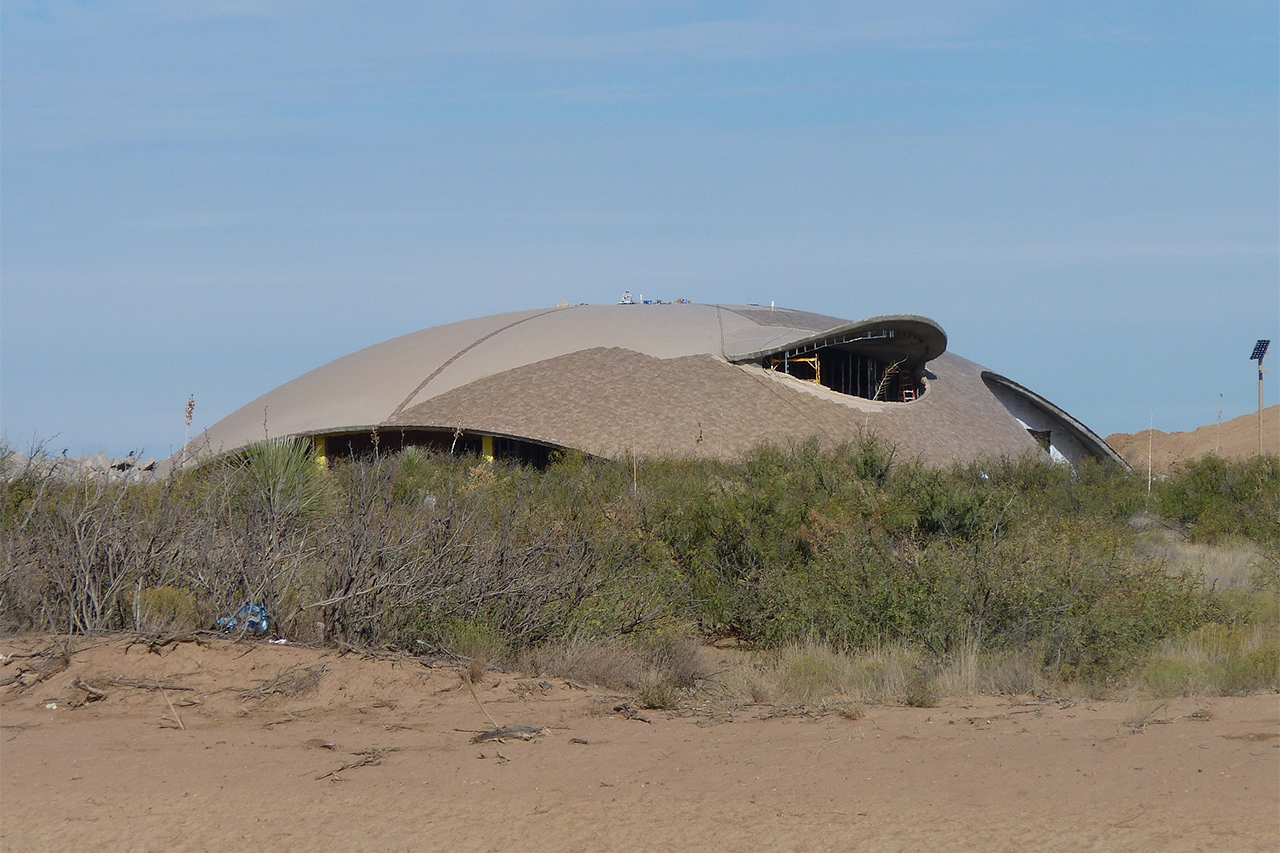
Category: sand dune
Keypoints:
(1237, 439)
(290, 748)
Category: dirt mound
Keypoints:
(1237, 439)
(113, 744)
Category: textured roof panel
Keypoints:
(703, 406)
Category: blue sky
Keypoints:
(211, 198)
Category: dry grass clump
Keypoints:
(607, 664)
(1239, 654)
(658, 668)
(1232, 564)
(812, 673)
(658, 693)
(1216, 659)
(972, 670)
(818, 675)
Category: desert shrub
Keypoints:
(369, 557)
(1024, 569)
(20, 488)
(165, 608)
(1218, 499)
(1248, 607)
(79, 548)
(1168, 676)
(1064, 587)
(952, 506)
(1266, 575)
(417, 476)
(1096, 489)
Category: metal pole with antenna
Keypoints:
(1259, 353)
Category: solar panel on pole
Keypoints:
(1259, 352)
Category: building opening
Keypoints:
(850, 372)
(392, 440)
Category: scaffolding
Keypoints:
(848, 371)
(783, 365)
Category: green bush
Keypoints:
(1218, 499)
(468, 639)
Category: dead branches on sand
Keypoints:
(369, 758)
(288, 683)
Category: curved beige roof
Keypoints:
(664, 379)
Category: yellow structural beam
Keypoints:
(486, 448)
(320, 445)
(783, 365)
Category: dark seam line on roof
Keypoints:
(720, 320)
(460, 353)
(737, 359)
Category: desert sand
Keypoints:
(1236, 439)
(291, 748)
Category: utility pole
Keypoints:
(1259, 353)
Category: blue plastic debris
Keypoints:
(252, 619)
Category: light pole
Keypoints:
(1260, 352)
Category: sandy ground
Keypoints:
(1236, 439)
(288, 748)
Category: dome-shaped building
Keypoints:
(665, 379)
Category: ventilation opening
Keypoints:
(852, 373)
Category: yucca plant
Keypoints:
(277, 482)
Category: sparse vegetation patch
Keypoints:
(869, 579)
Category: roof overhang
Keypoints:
(893, 336)
(1087, 437)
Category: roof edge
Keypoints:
(1082, 433)
(932, 337)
